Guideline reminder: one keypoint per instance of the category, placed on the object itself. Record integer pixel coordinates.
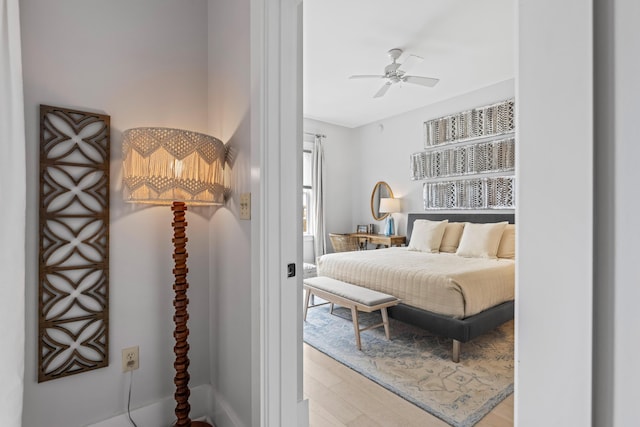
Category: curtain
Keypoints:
(12, 226)
(317, 183)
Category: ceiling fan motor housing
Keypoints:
(391, 71)
(395, 53)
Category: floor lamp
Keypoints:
(175, 167)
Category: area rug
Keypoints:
(417, 366)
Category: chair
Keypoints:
(343, 242)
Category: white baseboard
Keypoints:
(206, 403)
(224, 414)
(161, 413)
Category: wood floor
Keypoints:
(338, 396)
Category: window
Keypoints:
(307, 189)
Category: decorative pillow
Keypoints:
(427, 235)
(507, 247)
(451, 237)
(481, 240)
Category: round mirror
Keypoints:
(380, 190)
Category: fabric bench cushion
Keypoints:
(355, 293)
(309, 270)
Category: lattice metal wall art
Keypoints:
(469, 159)
(495, 119)
(73, 295)
(477, 193)
(498, 156)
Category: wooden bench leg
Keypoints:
(455, 355)
(356, 326)
(385, 321)
(331, 309)
(306, 304)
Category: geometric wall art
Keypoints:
(472, 159)
(73, 294)
(469, 159)
(486, 121)
(475, 193)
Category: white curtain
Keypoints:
(12, 225)
(317, 183)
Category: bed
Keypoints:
(450, 295)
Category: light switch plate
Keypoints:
(245, 206)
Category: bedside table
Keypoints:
(381, 239)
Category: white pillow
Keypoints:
(451, 237)
(507, 247)
(481, 240)
(427, 235)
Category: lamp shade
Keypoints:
(389, 205)
(163, 165)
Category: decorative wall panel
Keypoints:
(477, 193)
(74, 242)
(491, 120)
(469, 159)
(498, 156)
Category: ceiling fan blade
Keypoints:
(382, 90)
(422, 81)
(366, 76)
(410, 62)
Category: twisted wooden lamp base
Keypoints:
(181, 331)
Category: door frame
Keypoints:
(276, 176)
(555, 129)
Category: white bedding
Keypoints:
(441, 283)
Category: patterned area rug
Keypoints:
(417, 366)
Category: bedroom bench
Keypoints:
(350, 296)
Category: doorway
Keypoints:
(565, 41)
(356, 45)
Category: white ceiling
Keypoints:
(467, 44)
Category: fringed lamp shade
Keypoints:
(163, 165)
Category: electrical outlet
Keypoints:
(130, 359)
(245, 206)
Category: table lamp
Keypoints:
(389, 205)
(175, 167)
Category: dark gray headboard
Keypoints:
(459, 217)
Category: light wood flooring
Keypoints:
(338, 396)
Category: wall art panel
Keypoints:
(476, 193)
(487, 121)
(469, 159)
(74, 242)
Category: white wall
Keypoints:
(626, 66)
(554, 274)
(230, 237)
(357, 158)
(617, 337)
(144, 63)
(342, 167)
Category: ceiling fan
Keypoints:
(396, 73)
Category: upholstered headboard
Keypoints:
(459, 217)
